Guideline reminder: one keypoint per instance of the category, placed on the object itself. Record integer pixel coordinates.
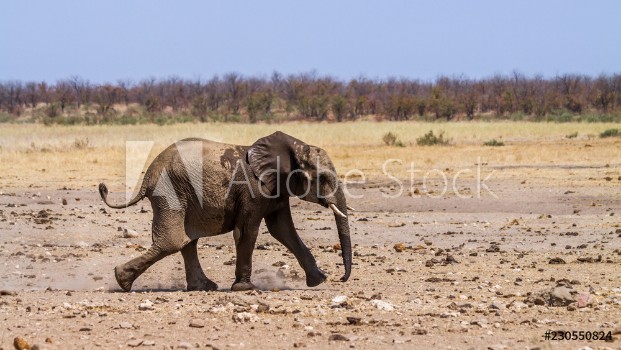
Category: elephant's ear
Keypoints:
(276, 153)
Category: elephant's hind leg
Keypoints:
(194, 274)
(168, 238)
(127, 273)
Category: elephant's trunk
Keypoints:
(342, 227)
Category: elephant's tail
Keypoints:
(103, 192)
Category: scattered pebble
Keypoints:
(399, 247)
(146, 305)
(382, 305)
(197, 323)
(20, 343)
(243, 317)
(129, 233)
(338, 337)
(135, 343)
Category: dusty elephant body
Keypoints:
(201, 188)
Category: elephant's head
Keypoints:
(286, 166)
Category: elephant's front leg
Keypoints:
(280, 225)
(245, 237)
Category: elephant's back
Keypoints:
(193, 161)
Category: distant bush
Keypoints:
(389, 139)
(52, 110)
(430, 139)
(81, 143)
(611, 133)
(573, 135)
(493, 143)
(6, 117)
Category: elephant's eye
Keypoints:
(326, 177)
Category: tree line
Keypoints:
(234, 97)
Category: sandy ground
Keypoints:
(446, 273)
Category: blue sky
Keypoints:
(103, 41)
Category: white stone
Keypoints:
(382, 305)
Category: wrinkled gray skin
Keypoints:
(177, 226)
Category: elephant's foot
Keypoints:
(315, 278)
(123, 278)
(242, 286)
(202, 285)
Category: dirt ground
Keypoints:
(495, 272)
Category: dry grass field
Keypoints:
(87, 154)
(433, 267)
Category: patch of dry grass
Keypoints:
(81, 156)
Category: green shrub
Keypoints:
(128, 119)
(430, 139)
(611, 133)
(493, 143)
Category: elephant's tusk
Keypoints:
(350, 208)
(337, 211)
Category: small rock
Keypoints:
(135, 343)
(355, 321)
(339, 300)
(148, 343)
(561, 296)
(125, 325)
(185, 345)
(243, 317)
(584, 300)
(496, 305)
(338, 337)
(21, 344)
(382, 305)
(146, 305)
(493, 248)
(400, 340)
(129, 233)
(64, 201)
(517, 305)
(419, 331)
(197, 323)
(8, 292)
(450, 260)
(556, 260)
(399, 247)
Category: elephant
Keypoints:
(200, 188)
